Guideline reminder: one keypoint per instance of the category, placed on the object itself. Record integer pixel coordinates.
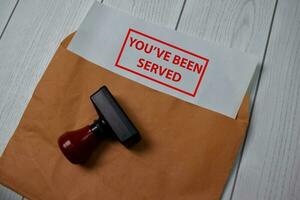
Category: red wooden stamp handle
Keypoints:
(78, 145)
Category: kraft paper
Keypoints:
(186, 152)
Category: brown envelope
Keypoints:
(186, 152)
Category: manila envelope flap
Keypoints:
(186, 152)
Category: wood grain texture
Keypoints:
(270, 167)
(239, 24)
(6, 10)
(27, 46)
(7, 194)
(31, 38)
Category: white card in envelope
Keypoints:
(191, 69)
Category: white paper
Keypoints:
(191, 69)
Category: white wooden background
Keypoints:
(269, 164)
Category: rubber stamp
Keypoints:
(78, 145)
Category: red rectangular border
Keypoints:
(170, 45)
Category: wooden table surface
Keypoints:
(269, 163)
